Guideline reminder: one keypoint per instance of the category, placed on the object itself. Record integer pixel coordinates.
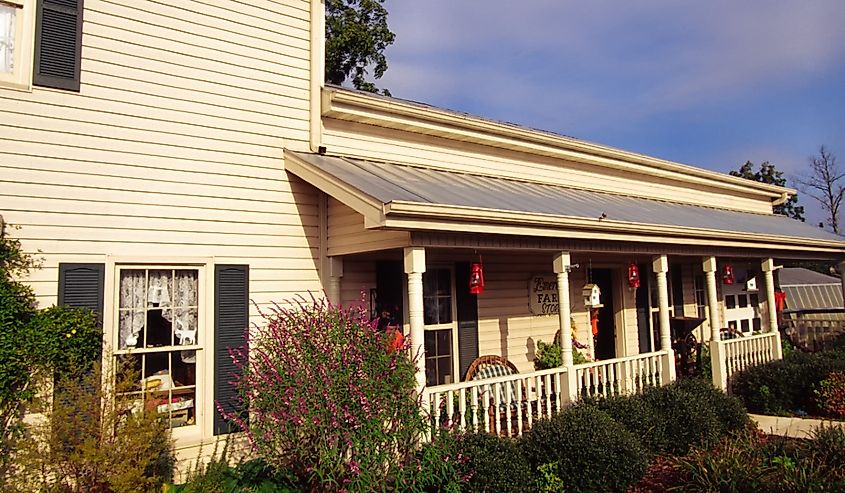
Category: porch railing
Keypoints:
(503, 405)
(629, 375)
(731, 356)
(811, 329)
(509, 405)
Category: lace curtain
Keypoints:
(174, 292)
(7, 37)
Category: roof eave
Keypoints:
(355, 106)
(412, 215)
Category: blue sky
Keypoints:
(711, 84)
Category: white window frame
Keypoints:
(204, 371)
(21, 76)
(453, 325)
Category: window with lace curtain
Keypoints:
(160, 335)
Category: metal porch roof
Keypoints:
(386, 183)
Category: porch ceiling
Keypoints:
(400, 196)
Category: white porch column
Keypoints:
(415, 267)
(334, 271)
(710, 268)
(561, 267)
(660, 265)
(768, 268)
(661, 268)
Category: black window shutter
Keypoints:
(58, 44)
(81, 285)
(643, 311)
(231, 319)
(467, 308)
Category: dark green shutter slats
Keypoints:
(677, 281)
(81, 285)
(643, 311)
(231, 318)
(467, 308)
(58, 44)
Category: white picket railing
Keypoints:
(505, 405)
(510, 404)
(629, 375)
(731, 356)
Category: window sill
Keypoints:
(15, 86)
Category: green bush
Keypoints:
(96, 438)
(785, 386)
(729, 410)
(751, 461)
(671, 419)
(590, 451)
(687, 421)
(439, 465)
(217, 476)
(494, 464)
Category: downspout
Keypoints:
(318, 55)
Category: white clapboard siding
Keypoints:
(173, 147)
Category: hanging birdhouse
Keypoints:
(476, 278)
(592, 295)
(633, 276)
(728, 274)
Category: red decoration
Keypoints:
(633, 275)
(728, 274)
(476, 278)
(780, 300)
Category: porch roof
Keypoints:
(403, 196)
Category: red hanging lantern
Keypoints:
(728, 274)
(780, 300)
(633, 275)
(476, 278)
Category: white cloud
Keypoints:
(565, 62)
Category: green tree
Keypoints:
(768, 173)
(356, 37)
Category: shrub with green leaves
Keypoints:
(785, 386)
(494, 463)
(438, 466)
(671, 419)
(328, 399)
(95, 438)
(752, 461)
(590, 451)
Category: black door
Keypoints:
(606, 339)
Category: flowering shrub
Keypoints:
(327, 400)
(830, 395)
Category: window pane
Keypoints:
(756, 322)
(730, 302)
(430, 312)
(744, 325)
(743, 300)
(444, 282)
(429, 283)
(444, 342)
(430, 371)
(755, 300)
(8, 14)
(445, 310)
(444, 370)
